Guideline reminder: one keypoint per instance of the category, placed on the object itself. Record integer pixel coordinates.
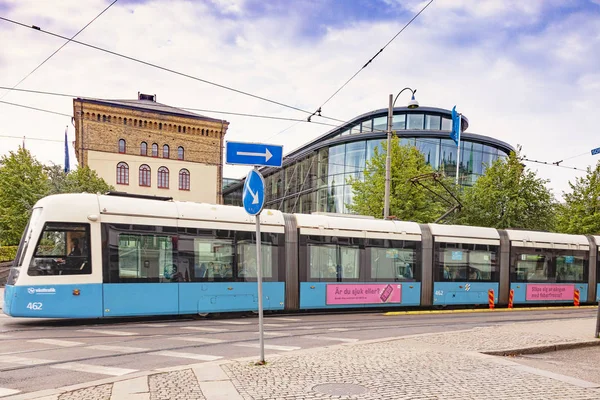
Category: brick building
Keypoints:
(144, 147)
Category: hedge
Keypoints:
(8, 253)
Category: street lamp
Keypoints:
(388, 160)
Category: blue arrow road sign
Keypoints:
(254, 154)
(596, 151)
(253, 196)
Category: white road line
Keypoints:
(286, 319)
(272, 333)
(304, 327)
(268, 346)
(23, 360)
(193, 356)
(5, 337)
(331, 338)
(8, 392)
(95, 369)
(198, 328)
(276, 325)
(233, 322)
(339, 329)
(54, 342)
(117, 349)
(199, 340)
(115, 333)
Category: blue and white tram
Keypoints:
(88, 256)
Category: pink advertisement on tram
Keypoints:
(364, 294)
(550, 292)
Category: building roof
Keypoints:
(149, 106)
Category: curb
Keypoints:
(543, 348)
(484, 310)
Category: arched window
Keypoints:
(180, 153)
(179, 128)
(184, 179)
(145, 175)
(144, 149)
(163, 178)
(124, 121)
(122, 174)
(154, 150)
(122, 147)
(160, 126)
(184, 129)
(103, 118)
(166, 151)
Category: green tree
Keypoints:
(81, 180)
(407, 201)
(23, 182)
(580, 214)
(509, 196)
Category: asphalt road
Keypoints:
(44, 354)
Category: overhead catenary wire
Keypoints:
(59, 49)
(153, 65)
(551, 164)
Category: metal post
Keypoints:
(458, 150)
(388, 160)
(260, 295)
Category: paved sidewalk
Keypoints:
(429, 366)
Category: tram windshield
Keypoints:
(23, 245)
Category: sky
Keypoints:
(524, 72)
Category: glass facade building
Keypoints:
(314, 178)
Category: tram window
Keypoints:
(143, 256)
(392, 264)
(467, 262)
(63, 249)
(333, 262)
(213, 259)
(246, 253)
(570, 269)
(532, 267)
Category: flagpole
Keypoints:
(458, 150)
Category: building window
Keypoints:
(124, 121)
(144, 149)
(166, 151)
(145, 175)
(160, 126)
(122, 147)
(184, 179)
(154, 150)
(163, 178)
(179, 128)
(104, 118)
(180, 153)
(122, 174)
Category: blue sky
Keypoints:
(525, 72)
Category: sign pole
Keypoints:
(259, 271)
(458, 147)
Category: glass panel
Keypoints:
(398, 122)
(570, 269)
(415, 121)
(468, 262)
(392, 264)
(336, 164)
(446, 124)
(454, 264)
(322, 259)
(366, 126)
(380, 124)
(432, 122)
(407, 141)
(481, 265)
(335, 199)
(371, 145)
(146, 256)
(448, 151)
(532, 267)
(213, 258)
(431, 150)
(349, 262)
(348, 197)
(247, 259)
(355, 160)
(322, 167)
(63, 249)
(355, 129)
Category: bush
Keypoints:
(8, 253)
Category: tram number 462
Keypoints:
(34, 306)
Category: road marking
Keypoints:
(23, 360)
(234, 322)
(339, 329)
(276, 325)
(95, 369)
(195, 339)
(8, 392)
(54, 342)
(331, 338)
(5, 337)
(268, 346)
(304, 327)
(193, 356)
(274, 333)
(117, 349)
(155, 325)
(287, 319)
(115, 333)
(198, 328)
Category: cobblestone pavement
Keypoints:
(101, 392)
(175, 385)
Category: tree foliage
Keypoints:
(408, 202)
(580, 214)
(509, 196)
(24, 181)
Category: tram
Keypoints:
(117, 255)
